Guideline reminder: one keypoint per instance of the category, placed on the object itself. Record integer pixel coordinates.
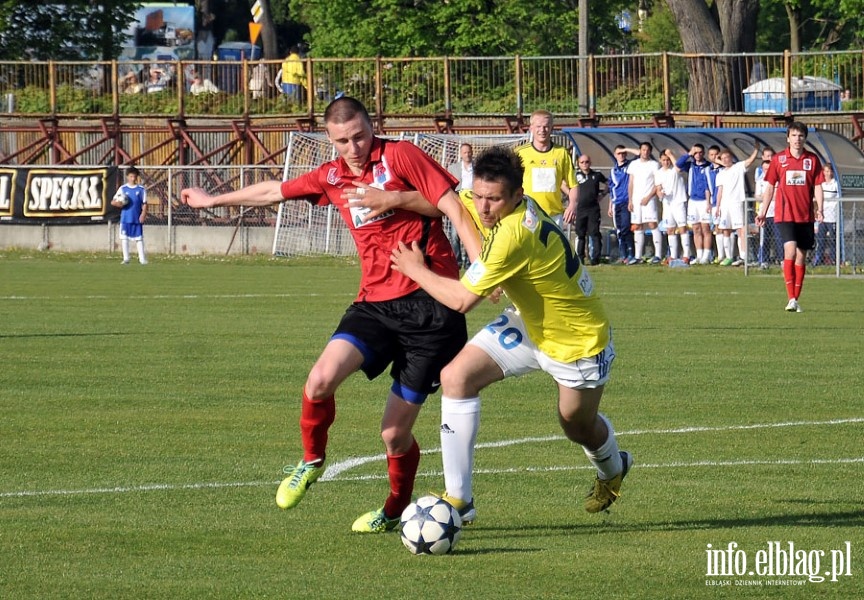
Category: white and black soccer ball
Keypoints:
(430, 526)
(120, 198)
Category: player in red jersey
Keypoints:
(797, 174)
(392, 321)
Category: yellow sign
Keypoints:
(254, 31)
(256, 13)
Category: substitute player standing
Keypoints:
(392, 321)
(558, 326)
(797, 175)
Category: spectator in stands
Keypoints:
(826, 233)
(673, 193)
(548, 168)
(696, 168)
(463, 171)
(293, 76)
(202, 86)
(129, 83)
(392, 321)
(591, 186)
(797, 174)
(259, 81)
(731, 204)
(619, 204)
(157, 80)
(642, 191)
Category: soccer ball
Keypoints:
(430, 526)
(120, 198)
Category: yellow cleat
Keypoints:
(293, 488)
(605, 492)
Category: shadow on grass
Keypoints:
(62, 335)
(838, 519)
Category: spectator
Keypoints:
(463, 171)
(259, 81)
(826, 233)
(200, 86)
(293, 76)
(129, 83)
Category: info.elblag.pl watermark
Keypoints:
(777, 563)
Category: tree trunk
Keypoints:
(794, 15)
(716, 82)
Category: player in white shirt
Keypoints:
(673, 192)
(642, 192)
(731, 199)
(826, 231)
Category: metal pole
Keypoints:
(584, 39)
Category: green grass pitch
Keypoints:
(146, 413)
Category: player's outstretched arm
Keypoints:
(452, 206)
(449, 292)
(258, 194)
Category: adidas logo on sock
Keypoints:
(445, 428)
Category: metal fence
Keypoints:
(621, 86)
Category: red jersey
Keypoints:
(393, 166)
(795, 179)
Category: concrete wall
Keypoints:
(158, 239)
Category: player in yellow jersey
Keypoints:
(558, 326)
(548, 168)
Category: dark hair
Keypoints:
(132, 171)
(502, 165)
(345, 108)
(700, 146)
(797, 126)
(650, 147)
(714, 147)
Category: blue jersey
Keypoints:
(131, 213)
(712, 182)
(697, 176)
(618, 182)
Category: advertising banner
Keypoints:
(57, 195)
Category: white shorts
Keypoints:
(644, 214)
(696, 212)
(674, 215)
(506, 342)
(731, 215)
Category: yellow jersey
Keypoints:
(528, 256)
(544, 173)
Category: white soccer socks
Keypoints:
(606, 458)
(460, 420)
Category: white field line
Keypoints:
(334, 471)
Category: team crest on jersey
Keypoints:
(530, 220)
(332, 177)
(381, 173)
(808, 164)
(581, 177)
(782, 159)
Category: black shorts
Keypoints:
(800, 233)
(417, 334)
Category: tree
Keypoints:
(393, 28)
(723, 27)
(74, 30)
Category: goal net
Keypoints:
(306, 230)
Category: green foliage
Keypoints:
(395, 28)
(72, 30)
